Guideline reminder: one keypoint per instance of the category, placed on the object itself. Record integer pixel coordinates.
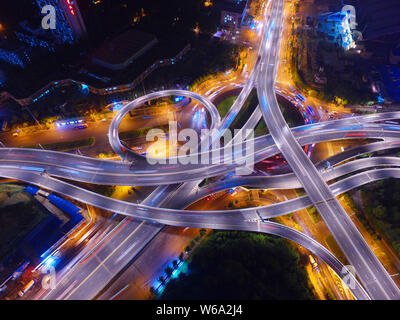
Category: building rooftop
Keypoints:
(123, 47)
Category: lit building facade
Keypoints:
(69, 23)
(335, 27)
(232, 13)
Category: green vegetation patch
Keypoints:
(19, 214)
(67, 145)
(261, 129)
(9, 188)
(334, 247)
(129, 135)
(315, 216)
(291, 114)
(224, 106)
(204, 59)
(241, 265)
(246, 111)
(104, 190)
(139, 133)
(381, 201)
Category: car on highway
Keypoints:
(81, 126)
(314, 263)
(26, 288)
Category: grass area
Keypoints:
(315, 216)
(300, 192)
(106, 191)
(67, 145)
(139, 133)
(334, 247)
(205, 182)
(349, 201)
(291, 114)
(246, 111)
(129, 135)
(10, 188)
(224, 106)
(261, 129)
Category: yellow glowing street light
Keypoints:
(161, 149)
(207, 3)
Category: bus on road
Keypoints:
(72, 124)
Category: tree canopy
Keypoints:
(241, 265)
(381, 204)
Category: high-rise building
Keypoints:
(232, 13)
(335, 27)
(69, 23)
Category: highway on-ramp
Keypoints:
(369, 269)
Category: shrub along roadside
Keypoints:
(241, 265)
(66, 145)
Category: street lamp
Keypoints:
(34, 118)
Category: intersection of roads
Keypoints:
(49, 169)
